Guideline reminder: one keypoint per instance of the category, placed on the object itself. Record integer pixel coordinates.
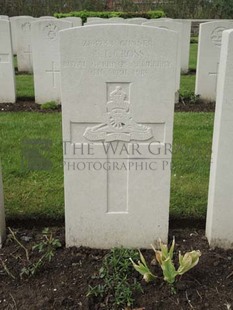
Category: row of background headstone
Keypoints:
(209, 46)
(17, 22)
(25, 34)
(22, 39)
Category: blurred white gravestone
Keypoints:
(46, 59)
(89, 19)
(136, 20)
(14, 34)
(209, 46)
(177, 27)
(117, 85)
(102, 21)
(2, 214)
(4, 17)
(185, 45)
(7, 74)
(24, 48)
(76, 21)
(116, 19)
(219, 227)
(47, 17)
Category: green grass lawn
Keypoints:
(40, 193)
(191, 163)
(187, 85)
(24, 86)
(193, 56)
(187, 81)
(37, 194)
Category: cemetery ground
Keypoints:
(64, 282)
(34, 200)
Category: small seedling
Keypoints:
(186, 262)
(143, 269)
(189, 96)
(31, 263)
(165, 259)
(47, 248)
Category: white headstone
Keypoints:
(14, 34)
(117, 92)
(2, 214)
(165, 18)
(90, 19)
(46, 58)
(177, 27)
(76, 21)
(136, 20)
(24, 48)
(4, 17)
(185, 47)
(209, 45)
(47, 17)
(219, 227)
(103, 21)
(116, 19)
(7, 74)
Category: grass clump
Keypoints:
(50, 105)
(116, 279)
(194, 40)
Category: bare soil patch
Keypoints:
(63, 282)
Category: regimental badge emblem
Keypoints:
(51, 31)
(216, 35)
(119, 124)
(26, 27)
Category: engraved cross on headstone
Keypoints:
(121, 160)
(29, 53)
(215, 75)
(117, 200)
(53, 71)
(116, 143)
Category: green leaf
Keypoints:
(169, 271)
(172, 248)
(188, 261)
(143, 259)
